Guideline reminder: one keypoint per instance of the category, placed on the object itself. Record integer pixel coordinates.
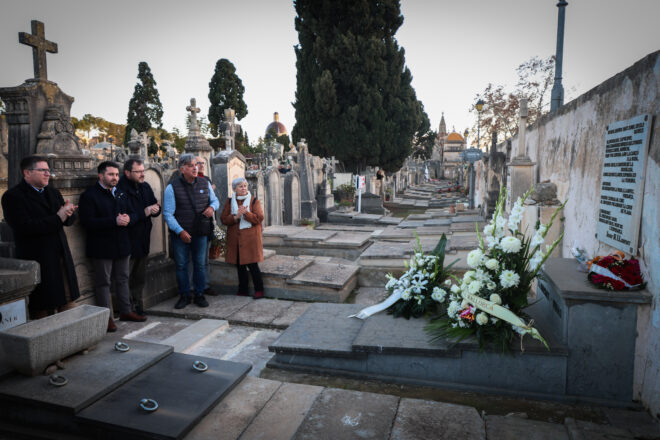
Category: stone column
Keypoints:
(521, 168)
(308, 197)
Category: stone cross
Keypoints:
(229, 141)
(40, 46)
(193, 109)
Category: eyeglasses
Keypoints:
(199, 164)
(41, 170)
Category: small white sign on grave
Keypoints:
(622, 182)
(12, 314)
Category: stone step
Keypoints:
(195, 334)
(324, 340)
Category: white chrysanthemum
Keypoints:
(453, 309)
(405, 295)
(482, 318)
(474, 258)
(474, 287)
(510, 245)
(509, 278)
(455, 289)
(495, 298)
(438, 294)
(492, 264)
(469, 276)
(488, 229)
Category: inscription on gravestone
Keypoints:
(622, 183)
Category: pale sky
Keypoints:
(453, 49)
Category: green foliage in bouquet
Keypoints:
(422, 286)
(502, 271)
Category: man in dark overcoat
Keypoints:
(106, 214)
(144, 205)
(37, 214)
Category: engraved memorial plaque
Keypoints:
(622, 183)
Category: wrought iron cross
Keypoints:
(193, 109)
(40, 46)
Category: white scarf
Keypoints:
(244, 224)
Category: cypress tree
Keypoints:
(225, 91)
(144, 108)
(354, 97)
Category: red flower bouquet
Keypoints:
(616, 273)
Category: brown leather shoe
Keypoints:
(112, 327)
(132, 316)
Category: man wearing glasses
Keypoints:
(37, 214)
(144, 205)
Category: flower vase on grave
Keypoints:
(215, 252)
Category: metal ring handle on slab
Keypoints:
(200, 366)
(122, 346)
(57, 380)
(149, 405)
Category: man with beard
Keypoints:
(105, 213)
(37, 214)
(143, 203)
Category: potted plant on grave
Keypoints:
(388, 194)
(218, 242)
(345, 194)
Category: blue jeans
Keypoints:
(182, 254)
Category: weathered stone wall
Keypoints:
(567, 147)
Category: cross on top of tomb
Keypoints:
(193, 109)
(40, 46)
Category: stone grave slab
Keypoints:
(282, 231)
(438, 222)
(311, 235)
(419, 217)
(261, 312)
(468, 218)
(425, 419)
(368, 296)
(422, 204)
(235, 412)
(390, 220)
(463, 242)
(411, 224)
(195, 334)
(325, 275)
(283, 266)
(514, 428)
(466, 227)
(220, 307)
(323, 328)
(284, 412)
(345, 227)
(291, 314)
(383, 333)
(385, 249)
(89, 377)
(343, 414)
(350, 239)
(183, 394)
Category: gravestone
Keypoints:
(622, 183)
(308, 205)
(196, 143)
(227, 166)
(257, 188)
(291, 198)
(229, 126)
(324, 198)
(273, 188)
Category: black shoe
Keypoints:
(209, 291)
(201, 301)
(182, 302)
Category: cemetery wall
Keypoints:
(568, 148)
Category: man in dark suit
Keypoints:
(37, 214)
(106, 214)
(144, 205)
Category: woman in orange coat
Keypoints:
(243, 216)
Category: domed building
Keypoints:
(447, 149)
(276, 128)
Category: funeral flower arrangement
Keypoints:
(488, 301)
(219, 238)
(614, 272)
(423, 286)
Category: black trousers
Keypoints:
(242, 270)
